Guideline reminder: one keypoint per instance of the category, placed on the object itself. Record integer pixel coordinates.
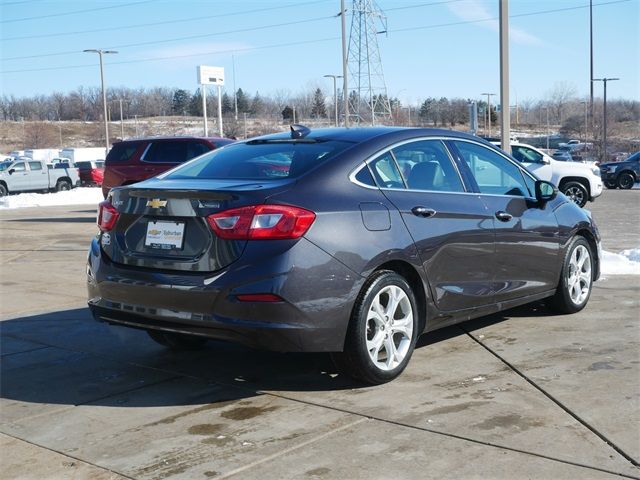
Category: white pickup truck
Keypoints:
(26, 175)
(578, 181)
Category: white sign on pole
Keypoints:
(210, 75)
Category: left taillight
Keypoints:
(107, 216)
(262, 222)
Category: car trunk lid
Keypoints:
(163, 224)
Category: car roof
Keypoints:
(362, 134)
(174, 137)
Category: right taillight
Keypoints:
(107, 216)
(262, 222)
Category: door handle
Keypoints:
(503, 216)
(423, 212)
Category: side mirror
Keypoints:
(545, 191)
(10, 172)
(546, 161)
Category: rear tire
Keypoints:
(382, 332)
(576, 278)
(177, 341)
(576, 193)
(626, 180)
(63, 186)
(3, 190)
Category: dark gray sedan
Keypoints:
(349, 241)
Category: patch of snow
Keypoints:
(77, 196)
(626, 262)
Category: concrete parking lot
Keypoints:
(523, 394)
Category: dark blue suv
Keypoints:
(621, 174)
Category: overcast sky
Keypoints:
(431, 48)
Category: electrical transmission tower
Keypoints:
(368, 99)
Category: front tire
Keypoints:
(576, 278)
(3, 190)
(382, 331)
(177, 341)
(576, 192)
(626, 180)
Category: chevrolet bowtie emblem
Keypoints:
(156, 203)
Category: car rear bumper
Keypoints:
(317, 297)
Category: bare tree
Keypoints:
(558, 97)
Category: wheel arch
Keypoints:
(4, 184)
(581, 180)
(589, 237)
(64, 179)
(630, 171)
(409, 273)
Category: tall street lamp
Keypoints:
(604, 127)
(104, 93)
(335, 95)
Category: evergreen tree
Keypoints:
(318, 108)
(195, 105)
(243, 101)
(287, 113)
(227, 104)
(257, 105)
(180, 103)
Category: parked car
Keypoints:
(576, 145)
(621, 174)
(368, 238)
(580, 182)
(91, 172)
(562, 156)
(26, 174)
(131, 161)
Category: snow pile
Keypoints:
(77, 196)
(626, 262)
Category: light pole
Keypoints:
(604, 126)
(505, 112)
(489, 95)
(586, 116)
(335, 95)
(104, 93)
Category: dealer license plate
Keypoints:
(165, 235)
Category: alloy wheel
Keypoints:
(389, 328)
(575, 194)
(579, 275)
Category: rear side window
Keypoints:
(174, 152)
(526, 155)
(385, 170)
(260, 160)
(122, 152)
(35, 165)
(426, 165)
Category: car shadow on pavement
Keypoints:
(68, 358)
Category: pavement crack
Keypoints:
(78, 459)
(566, 409)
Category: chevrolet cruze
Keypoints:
(349, 241)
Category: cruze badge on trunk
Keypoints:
(156, 203)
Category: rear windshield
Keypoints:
(260, 160)
(83, 165)
(122, 152)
